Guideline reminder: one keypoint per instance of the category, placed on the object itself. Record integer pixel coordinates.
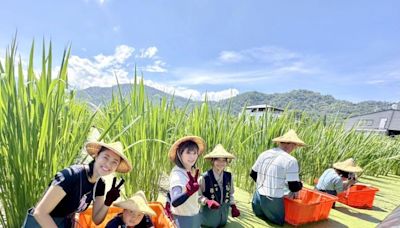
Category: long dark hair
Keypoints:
(190, 145)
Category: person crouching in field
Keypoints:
(274, 171)
(73, 189)
(136, 213)
(339, 178)
(183, 181)
(216, 186)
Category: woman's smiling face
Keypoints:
(106, 163)
(189, 158)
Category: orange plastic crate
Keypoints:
(359, 196)
(84, 219)
(311, 206)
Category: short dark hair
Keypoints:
(342, 173)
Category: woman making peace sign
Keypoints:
(183, 181)
(74, 188)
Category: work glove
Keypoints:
(168, 211)
(192, 185)
(234, 212)
(113, 194)
(212, 204)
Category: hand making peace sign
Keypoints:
(113, 194)
(192, 185)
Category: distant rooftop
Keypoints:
(263, 106)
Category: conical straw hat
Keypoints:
(219, 152)
(93, 148)
(348, 166)
(137, 202)
(290, 137)
(198, 140)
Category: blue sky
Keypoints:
(348, 49)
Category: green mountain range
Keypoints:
(315, 104)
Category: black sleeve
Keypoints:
(178, 197)
(115, 222)
(100, 188)
(146, 222)
(66, 179)
(253, 175)
(295, 186)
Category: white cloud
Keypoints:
(158, 66)
(268, 54)
(100, 2)
(148, 53)
(122, 53)
(256, 64)
(85, 73)
(101, 71)
(230, 57)
(375, 82)
(220, 95)
(192, 93)
(220, 77)
(296, 68)
(383, 74)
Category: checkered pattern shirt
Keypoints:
(275, 168)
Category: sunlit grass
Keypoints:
(43, 128)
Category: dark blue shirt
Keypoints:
(117, 221)
(79, 191)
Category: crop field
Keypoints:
(43, 128)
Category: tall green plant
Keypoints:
(42, 129)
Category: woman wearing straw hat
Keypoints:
(136, 213)
(216, 186)
(73, 189)
(183, 185)
(275, 172)
(339, 178)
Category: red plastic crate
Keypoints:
(311, 206)
(359, 196)
(84, 219)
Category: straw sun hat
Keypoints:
(289, 137)
(348, 165)
(219, 152)
(93, 148)
(199, 141)
(137, 202)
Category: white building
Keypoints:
(259, 110)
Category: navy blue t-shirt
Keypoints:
(117, 222)
(79, 191)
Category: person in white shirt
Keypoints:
(184, 187)
(276, 173)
